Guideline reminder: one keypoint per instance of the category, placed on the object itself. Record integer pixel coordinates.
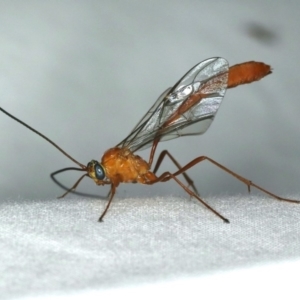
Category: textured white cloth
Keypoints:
(57, 247)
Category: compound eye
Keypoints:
(99, 172)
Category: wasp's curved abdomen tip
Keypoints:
(247, 72)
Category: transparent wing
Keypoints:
(188, 108)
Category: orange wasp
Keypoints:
(188, 108)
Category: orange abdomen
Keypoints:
(247, 72)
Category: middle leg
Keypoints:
(187, 178)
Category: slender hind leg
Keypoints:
(167, 176)
(184, 174)
(237, 176)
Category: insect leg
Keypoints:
(167, 176)
(184, 174)
(112, 193)
(152, 152)
(73, 187)
(249, 183)
(53, 174)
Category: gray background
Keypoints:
(84, 73)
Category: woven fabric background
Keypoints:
(57, 246)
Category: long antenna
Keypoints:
(44, 137)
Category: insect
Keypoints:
(187, 108)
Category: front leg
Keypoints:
(111, 193)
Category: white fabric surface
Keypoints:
(57, 247)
